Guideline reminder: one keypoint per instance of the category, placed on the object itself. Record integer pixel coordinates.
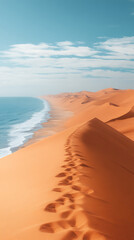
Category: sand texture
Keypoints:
(79, 182)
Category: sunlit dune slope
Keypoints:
(78, 183)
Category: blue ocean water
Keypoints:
(19, 118)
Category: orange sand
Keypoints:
(78, 183)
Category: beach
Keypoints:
(77, 183)
(20, 117)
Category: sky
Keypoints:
(53, 46)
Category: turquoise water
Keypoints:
(19, 118)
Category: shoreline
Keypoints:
(55, 123)
(69, 185)
(19, 125)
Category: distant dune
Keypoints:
(79, 182)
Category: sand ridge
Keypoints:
(107, 105)
(72, 220)
(78, 205)
(78, 183)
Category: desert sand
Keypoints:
(79, 182)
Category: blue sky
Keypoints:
(51, 46)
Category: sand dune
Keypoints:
(94, 204)
(130, 114)
(78, 183)
(107, 104)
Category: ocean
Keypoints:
(20, 117)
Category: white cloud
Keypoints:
(65, 43)
(120, 47)
(46, 50)
(43, 66)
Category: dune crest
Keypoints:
(78, 183)
(91, 186)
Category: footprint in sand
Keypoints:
(65, 214)
(61, 200)
(53, 227)
(67, 160)
(77, 155)
(64, 166)
(76, 188)
(62, 174)
(68, 169)
(70, 236)
(47, 228)
(69, 196)
(87, 236)
(84, 165)
(71, 165)
(69, 178)
(57, 189)
(72, 206)
(51, 207)
(65, 182)
(74, 174)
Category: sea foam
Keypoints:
(21, 132)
